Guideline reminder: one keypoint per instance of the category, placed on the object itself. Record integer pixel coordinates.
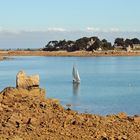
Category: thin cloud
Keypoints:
(96, 29)
(61, 30)
(93, 29)
(55, 29)
(8, 31)
(114, 30)
(39, 38)
(15, 31)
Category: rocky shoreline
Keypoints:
(26, 114)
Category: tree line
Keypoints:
(89, 44)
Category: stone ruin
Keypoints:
(26, 82)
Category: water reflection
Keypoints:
(76, 89)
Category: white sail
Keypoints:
(76, 76)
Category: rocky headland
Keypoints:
(26, 114)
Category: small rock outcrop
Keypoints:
(24, 81)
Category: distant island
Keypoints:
(92, 44)
(85, 46)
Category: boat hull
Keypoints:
(76, 82)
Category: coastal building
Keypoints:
(128, 49)
(99, 49)
(136, 46)
(118, 47)
(90, 43)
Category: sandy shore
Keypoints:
(65, 53)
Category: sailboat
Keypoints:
(75, 73)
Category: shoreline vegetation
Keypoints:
(93, 44)
(26, 113)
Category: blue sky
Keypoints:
(67, 16)
(70, 14)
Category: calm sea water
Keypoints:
(108, 84)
